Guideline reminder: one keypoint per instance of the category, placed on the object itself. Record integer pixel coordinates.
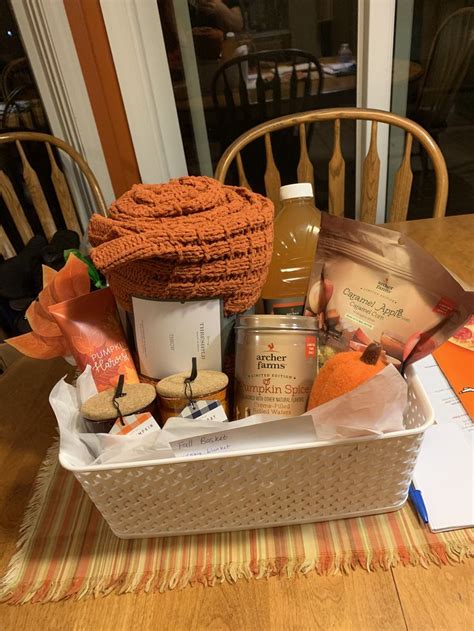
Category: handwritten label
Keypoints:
(239, 435)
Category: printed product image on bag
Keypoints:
(369, 283)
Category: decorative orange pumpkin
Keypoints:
(345, 372)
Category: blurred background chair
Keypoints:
(16, 74)
(38, 218)
(336, 169)
(250, 89)
(448, 62)
(21, 105)
(45, 205)
(23, 108)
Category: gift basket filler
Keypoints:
(241, 370)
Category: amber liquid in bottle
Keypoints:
(295, 238)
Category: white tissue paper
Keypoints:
(375, 407)
(79, 448)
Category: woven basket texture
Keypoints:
(333, 480)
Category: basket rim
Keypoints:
(410, 374)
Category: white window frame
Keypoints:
(376, 25)
(49, 44)
(138, 49)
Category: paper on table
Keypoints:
(444, 475)
(444, 471)
(456, 359)
(339, 67)
(251, 433)
(448, 409)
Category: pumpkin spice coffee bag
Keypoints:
(371, 284)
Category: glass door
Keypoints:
(434, 47)
(237, 63)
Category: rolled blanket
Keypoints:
(189, 238)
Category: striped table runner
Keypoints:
(67, 550)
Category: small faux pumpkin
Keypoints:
(345, 372)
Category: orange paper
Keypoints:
(456, 359)
(46, 339)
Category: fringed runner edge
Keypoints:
(162, 580)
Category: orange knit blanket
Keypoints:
(189, 238)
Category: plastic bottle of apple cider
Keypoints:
(295, 238)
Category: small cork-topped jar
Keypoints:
(100, 413)
(208, 385)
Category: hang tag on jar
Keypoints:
(204, 411)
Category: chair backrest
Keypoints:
(286, 81)
(16, 74)
(23, 108)
(336, 169)
(448, 61)
(35, 191)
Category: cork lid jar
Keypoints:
(100, 413)
(173, 395)
(206, 382)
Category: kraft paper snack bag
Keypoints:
(370, 283)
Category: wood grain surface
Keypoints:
(337, 174)
(413, 598)
(402, 184)
(371, 164)
(272, 176)
(305, 169)
(449, 239)
(370, 179)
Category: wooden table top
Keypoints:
(448, 239)
(410, 598)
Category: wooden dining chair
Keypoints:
(240, 104)
(15, 74)
(34, 190)
(336, 170)
(448, 62)
(23, 108)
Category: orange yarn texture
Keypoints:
(189, 238)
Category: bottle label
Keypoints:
(285, 306)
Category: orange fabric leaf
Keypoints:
(47, 297)
(48, 275)
(72, 280)
(34, 345)
(42, 324)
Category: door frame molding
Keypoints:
(49, 44)
(375, 32)
(138, 48)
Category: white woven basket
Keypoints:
(257, 489)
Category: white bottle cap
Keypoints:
(290, 191)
